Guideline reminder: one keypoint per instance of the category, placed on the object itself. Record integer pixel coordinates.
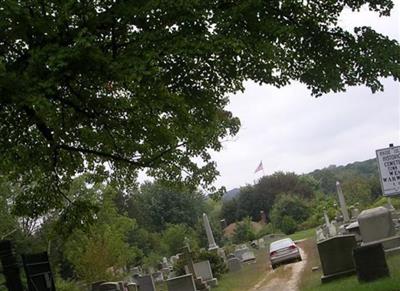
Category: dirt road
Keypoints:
(284, 278)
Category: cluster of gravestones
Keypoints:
(358, 245)
(36, 267)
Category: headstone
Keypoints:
(132, 287)
(354, 213)
(332, 230)
(210, 237)
(234, 264)
(370, 262)
(326, 218)
(203, 269)
(342, 203)
(320, 234)
(174, 259)
(221, 253)
(248, 257)
(336, 255)
(10, 266)
(375, 224)
(110, 286)
(354, 228)
(181, 283)
(244, 254)
(230, 256)
(187, 257)
(38, 272)
(146, 283)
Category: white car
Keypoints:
(282, 251)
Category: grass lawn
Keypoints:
(312, 280)
(247, 277)
(303, 234)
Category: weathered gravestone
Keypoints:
(187, 257)
(370, 262)
(110, 286)
(234, 264)
(336, 255)
(181, 283)
(240, 251)
(248, 257)
(38, 272)
(145, 283)
(376, 224)
(203, 269)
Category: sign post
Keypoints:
(389, 170)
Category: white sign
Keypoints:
(389, 170)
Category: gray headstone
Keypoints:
(181, 283)
(336, 255)
(203, 270)
(375, 224)
(240, 251)
(146, 283)
(248, 257)
(234, 264)
(370, 263)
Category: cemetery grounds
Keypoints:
(256, 276)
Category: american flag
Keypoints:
(259, 168)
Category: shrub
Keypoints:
(288, 225)
(244, 231)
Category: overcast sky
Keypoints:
(289, 130)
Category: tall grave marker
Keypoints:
(342, 202)
(210, 237)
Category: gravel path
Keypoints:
(286, 279)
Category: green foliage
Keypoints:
(287, 225)
(244, 231)
(261, 196)
(357, 190)
(65, 285)
(99, 252)
(156, 205)
(266, 229)
(229, 210)
(174, 239)
(144, 86)
(288, 212)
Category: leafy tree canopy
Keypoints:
(157, 205)
(143, 84)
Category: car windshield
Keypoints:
(283, 243)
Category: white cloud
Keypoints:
(291, 131)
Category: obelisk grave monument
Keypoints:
(342, 202)
(210, 237)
